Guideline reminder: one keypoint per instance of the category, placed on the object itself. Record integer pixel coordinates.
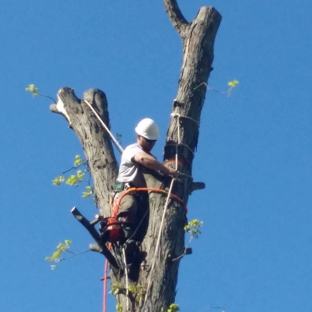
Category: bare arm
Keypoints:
(150, 162)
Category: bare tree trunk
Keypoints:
(182, 136)
(158, 277)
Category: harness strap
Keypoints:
(118, 199)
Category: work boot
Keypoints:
(126, 220)
(131, 246)
(127, 230)
(132, 250)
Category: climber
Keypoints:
(131, 208)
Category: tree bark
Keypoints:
(158, 275)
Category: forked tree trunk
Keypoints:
(158, 277)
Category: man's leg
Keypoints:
(127, 214)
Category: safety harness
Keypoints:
(111, 227)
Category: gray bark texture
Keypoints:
(156, 286)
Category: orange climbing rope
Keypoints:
(142, 189)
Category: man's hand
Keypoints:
(173, 172)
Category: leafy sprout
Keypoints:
(75, 178)
(193, 228)
(35, 92)
(173, 308)
(33, 89)
(232, 84)
(56, 256)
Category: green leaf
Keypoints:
(59, 246)
(173, 308)
(58, 180)
(80, 175)
(32, 88)
(57, 253)
(72, 180)
(193, 228)
(78, 161)
(233, 83)
(88, 192)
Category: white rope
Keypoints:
(179, 139)
(127, 280)
(187, 117)
(105, 127)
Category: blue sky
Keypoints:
(254, 153)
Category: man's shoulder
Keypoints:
(132, 147)
(131, 150)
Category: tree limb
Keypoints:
(176, 17)
(95, 140)
(96, 236)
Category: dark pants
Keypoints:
(133, 209)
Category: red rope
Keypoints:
(105, 286)
(105, 282)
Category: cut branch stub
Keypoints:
(176, 17)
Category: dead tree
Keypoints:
(158, 278)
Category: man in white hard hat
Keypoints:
(130, 173)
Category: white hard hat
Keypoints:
(148, 129)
